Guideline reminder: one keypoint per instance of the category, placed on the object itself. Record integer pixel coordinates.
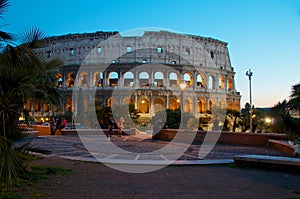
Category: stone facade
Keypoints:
(145, 70)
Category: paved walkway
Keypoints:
(141, 150)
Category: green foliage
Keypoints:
(12, 162)
(173, 118)
(24, 76)
(128, 112)
(33, 175)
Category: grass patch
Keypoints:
(35, 175)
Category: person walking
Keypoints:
(57, 125)
(120, 125)
(111, 124)
(63, 123)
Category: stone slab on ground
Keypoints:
(270, 162)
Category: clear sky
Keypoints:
(263, 35)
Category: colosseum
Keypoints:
(150, 71)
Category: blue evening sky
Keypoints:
(263, 35)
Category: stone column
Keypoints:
(90, 84)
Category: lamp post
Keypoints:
(250, 74)
(182, 87)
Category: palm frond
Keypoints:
(32, 38)
(4, 36)
(3, 6)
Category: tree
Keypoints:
(294, 102)
(282, 118)
(232, 121)
(24, 76)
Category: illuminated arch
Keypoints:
(188, 79)
(159, 105)
(222, 82)
(200, 80)
(174, 103)
(111, 101)
(69, 105)
(188, 106)
(173, 79)
(143, 105)
(237, 105)
(201, 106)
(70, 79)
(113, 78)
(144, 79)
(158, 79)
(83, 79)
(59, 80)
(230, 104)
(98, 79)
(128, 79)
(230, 84)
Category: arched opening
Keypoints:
(70, 79)
(59, 79)
(174, 103)
(222, 104)
(69, 105)
(98, 79)
(173, 79)
(158, 79)
(129, 79)
(200, 80)
(237, 106)
(222, 82)
(127, 101)
(111, 101)
(201, 106)
(83, 79)
(210, 82)
(159, 105)
(46, 107)
(113, 78)
(230, 105)
(187, 106)
(229, 82)
(28, 106)
(187, 77)
(144, 79)
(210, 105)
(143, 105)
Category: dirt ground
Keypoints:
(95, 180)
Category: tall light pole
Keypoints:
(182, 87)
(250, 74)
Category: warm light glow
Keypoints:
(178, 100)
(182, 86)
(143, 101)
(268, 120)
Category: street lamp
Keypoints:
(182, 87)
(250, 74)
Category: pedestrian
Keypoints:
(63, 123)
(120, 125)
(52, 125)
(111, 124)
(57, 125)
